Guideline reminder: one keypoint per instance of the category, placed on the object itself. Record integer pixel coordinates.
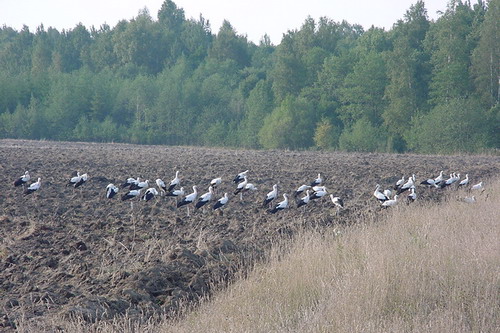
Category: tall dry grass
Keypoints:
(419, 268)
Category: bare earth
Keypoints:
(75, 253)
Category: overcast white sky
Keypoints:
(253, 18)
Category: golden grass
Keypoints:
(420, 269)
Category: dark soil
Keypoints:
(72, 252)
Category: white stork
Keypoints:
(241, 185)
(439, 179)
(83, 180)
(464, 181)
(215, 182)
(176, 193)
(74, 180)
(131, 194)
(478, 186)
(412, 196)
(174, 182)
(149, 194)
(240, 176)
(190, 198)
(339, 203)
(111, 191)
(140, 185)
(271, 196)
(301, 189)
(390, 202)
(317, 181)
(205, 198)
(221, 202)
(249, 187)
(23, 179)
(33, 187)
(470, 199)
(399, 183)
(304, 200)
(161, 185)
(129, 182)
(379, 195)
(406, 186)
(319, 194)
(281, 205)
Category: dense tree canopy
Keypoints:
(423, 86)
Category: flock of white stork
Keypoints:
(315, 190)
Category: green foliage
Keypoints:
(326, 136)
(362, 136)
(326, 85)
(457, 126)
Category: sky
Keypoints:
(252, 18)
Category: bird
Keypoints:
(111, 191)
(221, 202)
(161, 185)
(139, 185)
(33, 187)
(428, 182)
(439, 179)
(388, 193)
(270, 196)
(174, 182)
(249, 187)
(478, 186)
(129, 182)
(176, 193)
(412, 196)
(469, 199)
(304, 200)
(379, 195)
(301, 189)
(83, 179)
(215, 182)
(281, 205)
(318, 188)
(241, 185)
(240, 176)
(74, 180)
(149, 194)
(406, 186)
(317, 181)
(390, 202)
(131, 194)
(453, 179)
(339, 203)
(23, 179)
(205, 198)
(188, 198)
(319, 194)
(464, 181)
(399, 183)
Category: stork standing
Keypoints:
(33, 187)
(304, 200)
(174, 182)
(22, 180)
(317, 181)
(271, 196)
(301, 189)
(464, 181)
(83, 179)
(338, 202)
(239, 177)
(379, 195)
(412, 196)
(188, 199)
(161, 185)
(241, 186)
(390, 202)
(281, 205)
(221, 202)
(205, 198)
(140, 185)
(477, 187)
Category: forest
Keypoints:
(423, 86)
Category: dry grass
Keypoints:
(422, 269)
(416, 269)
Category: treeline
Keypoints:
(422, 86)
